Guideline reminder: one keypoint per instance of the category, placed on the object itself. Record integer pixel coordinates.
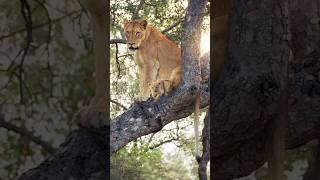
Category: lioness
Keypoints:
(157, 57)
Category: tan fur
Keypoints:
(156, 56)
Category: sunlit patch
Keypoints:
(205, 42)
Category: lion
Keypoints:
(156, 56)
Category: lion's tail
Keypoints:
(196, 126)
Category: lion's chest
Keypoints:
(145, 59)
(139, 59)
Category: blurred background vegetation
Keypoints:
(46, 63)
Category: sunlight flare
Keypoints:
(205, 42)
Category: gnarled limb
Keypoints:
(82, 156)
(151, 116)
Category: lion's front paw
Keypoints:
(90, 118)
(159, 88)
(140, 98)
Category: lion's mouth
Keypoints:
(133, 48)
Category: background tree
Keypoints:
(261, 36)
(46, 59)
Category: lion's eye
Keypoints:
(137, 33)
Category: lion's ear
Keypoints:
(125, 21)
(144, 23)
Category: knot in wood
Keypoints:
(193, 90)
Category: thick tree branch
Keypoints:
(147, 117)
(82, 156)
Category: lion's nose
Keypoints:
(130, 44)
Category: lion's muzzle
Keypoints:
(132, 46)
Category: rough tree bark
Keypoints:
(82, 156)
(245, 104)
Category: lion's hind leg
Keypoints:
(175, 77)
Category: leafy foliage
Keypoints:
(148, 164)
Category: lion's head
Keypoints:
(135, 31)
